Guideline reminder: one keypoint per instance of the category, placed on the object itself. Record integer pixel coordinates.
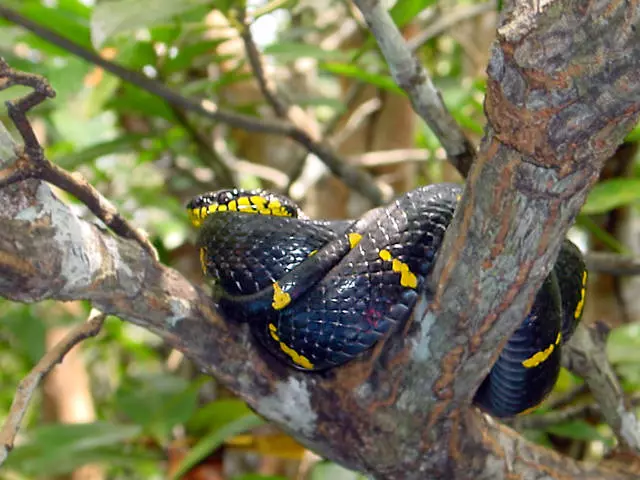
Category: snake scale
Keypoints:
(318, 293)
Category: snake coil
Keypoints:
(319, 293)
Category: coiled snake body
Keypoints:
(318, 293)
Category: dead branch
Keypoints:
(403, 410)
(33, 164)
(586, 356)
(613, 263)
(356, 179)
(28, 385)
(443, 23)
(574, 412)
(412, 77)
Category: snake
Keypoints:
(318, 294)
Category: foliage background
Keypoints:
(128, 407)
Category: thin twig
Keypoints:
(275, 176)
(352, 95)
(568, 398)
(355, 120)
(28, 385)
(612, 263)
(586, 356)
(412, 77)
(356, 179)
(32, 162)
(546, 420)
(267, 86)
(224, 176)
(445, 22)
(390, 157)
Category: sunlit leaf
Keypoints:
(287, 51)
(121, 16)
(405, 10)
(61, 448)
(623, 344)
(158, 403)
(213, 440)
(351, 71)
(332, 471)
(578, 430)
(610, 194)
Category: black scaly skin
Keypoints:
(344, 298)
(510, 388)
(346, 311)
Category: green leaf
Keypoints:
(332, 471)
(216, 414)
(187, 54)
(158, 403)
(61, 448)
(634, 135)
(29, 331)
(607, 239)
(100, 95)
(578, 430)
(351, 71)
(122, 16)
(612, 194)
(125, 143)
(132, 99)
(405, 10)
(255, 476)
(213, 440)
(288, 51)
(623, 344)
(65, 19)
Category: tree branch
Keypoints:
(33, 164)
(403, 409)
(552, 124)
(613, 263)
(573, 412)
(357, 179)
(375, 397)
(29, 384)
(413, 78)
(586, 356)
(450, 19)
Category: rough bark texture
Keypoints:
(564, 88)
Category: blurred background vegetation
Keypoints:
(124, 405)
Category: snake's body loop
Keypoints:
(319, 293)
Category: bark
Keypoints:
(563, 90)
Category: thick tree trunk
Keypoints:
(563, 90)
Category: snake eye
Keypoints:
(225, 196)
(200, 200)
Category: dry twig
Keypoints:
(546, 420)
(613, 263)
(412, 77)
(32, 163)
(586, 356)
(28, 385)
(357, 179)
(445, 22)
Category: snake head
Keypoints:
(245, 201)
